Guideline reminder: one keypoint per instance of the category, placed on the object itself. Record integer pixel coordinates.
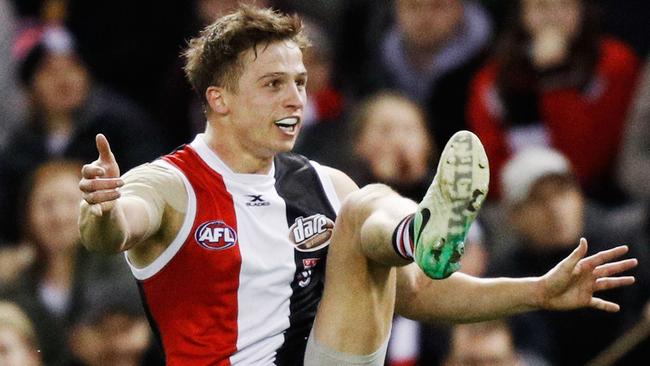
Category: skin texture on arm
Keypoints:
(461, 298)
(107, 222)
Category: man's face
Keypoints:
(552, 215)
(53, 217)
(563, 16)
(427, 24)
(60, 84)
(481, 347)
(389, 123)
(265, 111)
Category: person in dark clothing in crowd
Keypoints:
(429, 50)
(67, 109)
(548, 212)
(556, 81)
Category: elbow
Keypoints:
(97, 246)
(97, 238)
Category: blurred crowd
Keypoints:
(557, 90)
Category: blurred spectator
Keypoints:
(63, 275)
(323, 127)
(12, 102)
(429, 50)
(635, 167)
(485, 344)
(635, 155)
(557, 82)
(67, 111)
(112, 330)
(549, 213)
(390, 143)
(18, 343)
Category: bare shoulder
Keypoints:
(343, 184)
(154, 181)
(163, 193)
(152, 172)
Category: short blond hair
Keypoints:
(213, 58)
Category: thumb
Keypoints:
(104, 149)
(106, 158)
(572, 260)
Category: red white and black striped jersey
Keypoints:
(241, 282)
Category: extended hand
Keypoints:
(571, 284)
(100, 179)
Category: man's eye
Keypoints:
(301, 82)
(273, 83)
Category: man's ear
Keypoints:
(216, 100)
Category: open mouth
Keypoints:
(288, 124)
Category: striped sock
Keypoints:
(403, 238)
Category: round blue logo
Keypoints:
(216, 235)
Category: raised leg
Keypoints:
(355, 314)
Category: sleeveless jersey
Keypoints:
(241, 282)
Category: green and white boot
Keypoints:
(450, 205)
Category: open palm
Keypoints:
(572, 283)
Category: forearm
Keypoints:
(114, 231)
(462, 298)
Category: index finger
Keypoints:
(91, 171)
(606, 255)
(104, 149)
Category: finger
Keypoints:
(578, 253)
(92, 185)
(104, 149)
(606, 256)
(90, 171)
(101, 196)
(613, 282)
(600, 304)
(609, 269)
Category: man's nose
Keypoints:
(295, 97)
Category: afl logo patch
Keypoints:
(311, 233)
(216, 235)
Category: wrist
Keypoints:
(539, 297)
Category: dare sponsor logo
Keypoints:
(311, 233)
(215, 235)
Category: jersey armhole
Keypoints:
(328, 186)
(188, 221)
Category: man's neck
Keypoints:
(236, 158)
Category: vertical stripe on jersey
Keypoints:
(299, 185)
(193, 298)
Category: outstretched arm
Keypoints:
(461, 298)
(108, 223)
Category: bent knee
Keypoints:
(359, 205)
